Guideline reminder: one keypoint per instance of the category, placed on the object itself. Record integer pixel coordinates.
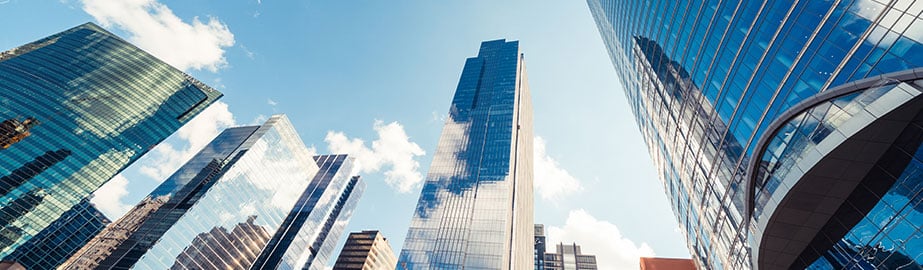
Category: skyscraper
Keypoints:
(366, 250)
(57, 242)
(475, 210)
(76, 108)
(569, 257)
(244, 195)
(786, 133)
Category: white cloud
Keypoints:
(312, 151)
(166, 158)
(438, 118)
(600, 238)
(108, 198)
(551, 181)
(219, 83)
(250, 54)
(153, 27)
(392, 151)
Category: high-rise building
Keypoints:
(252, 191)
(475, 210)
(366, 250)
(539, 255)
(569, 257)
(786, 133)
(57, 242)
(76, 108)
(648, 263)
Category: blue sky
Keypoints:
(375, 79)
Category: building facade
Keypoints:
(230, 204)
(475, 210)
(76, 108)
(57, 242)
(366, 250)
(786, 133)
(569, 257)
(539, 255)
(666, 264)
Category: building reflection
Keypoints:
(220, 247)
(13, 131)
(29, 170)
(60, 240)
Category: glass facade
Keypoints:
(707, 80)
(216, 211)
(309, 234)
(57, 242)
(475, 210)
(848, 121)
(76, 108)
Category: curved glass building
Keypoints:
(76, 108)
(475, 210)
(787, 134)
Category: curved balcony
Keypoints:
(814, 155)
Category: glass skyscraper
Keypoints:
(475, 210)
(787, 134)
(246, 194)
(76, 108)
